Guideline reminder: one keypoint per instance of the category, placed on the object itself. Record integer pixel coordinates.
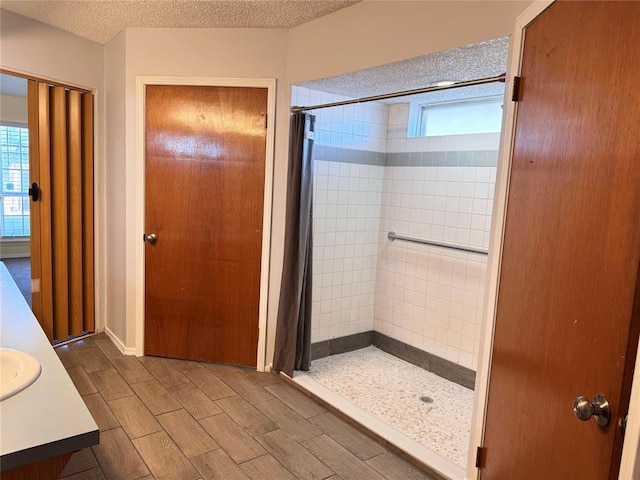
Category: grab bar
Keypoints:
(393, 236)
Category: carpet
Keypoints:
(20, 270)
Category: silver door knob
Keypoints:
(598, 409)
(150, 238)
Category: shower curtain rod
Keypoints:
(373, 98)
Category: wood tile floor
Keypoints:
(174, 419)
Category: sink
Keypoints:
(18, 370)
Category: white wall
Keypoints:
(115, 187)
(38, 50)
(13, 109)
(375, 32)
(218, 53)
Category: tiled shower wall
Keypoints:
(369, 178)
(436, 188)
(348, 160)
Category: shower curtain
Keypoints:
(293, 332)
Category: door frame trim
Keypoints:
(139, 200)
(498, 218)
(630, 462)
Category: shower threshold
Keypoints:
(432, 462)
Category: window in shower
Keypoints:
(462, 117)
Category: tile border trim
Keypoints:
(339, 345)
(462, 158)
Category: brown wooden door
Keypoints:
(566, 324)
(205, 159)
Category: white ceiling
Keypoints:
(470, 62)
(101, 20)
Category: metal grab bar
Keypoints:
(393, 236)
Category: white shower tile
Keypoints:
(453, 354)
(440, 349)
(485, 174)
(477, 237)
(467, 360)
(356, 205)
(481, 190)
(449, 233)
(467, 344)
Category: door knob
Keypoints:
(151, 238)
(598, 409)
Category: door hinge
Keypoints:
(480, 455)
(266, 121)
(622, 423)
(515, 94)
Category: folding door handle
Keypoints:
(34, 192)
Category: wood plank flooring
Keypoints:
(175, 419)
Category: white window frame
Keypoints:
(20, 194)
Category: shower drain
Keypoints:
(425, 399)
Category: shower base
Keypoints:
(426, 413)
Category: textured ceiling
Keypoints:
(100, 20)
(103, 19)
(479, 60)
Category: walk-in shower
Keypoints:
(401, 220)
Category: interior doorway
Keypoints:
(15, 229)
(47, 200)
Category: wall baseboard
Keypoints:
(118, 343)
(432, 363)
(14, 248)
(14, 255)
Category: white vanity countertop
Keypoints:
(49, 417)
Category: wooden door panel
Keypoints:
(205, 154)
(34, 123)
(61, 163)
(571, 245)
